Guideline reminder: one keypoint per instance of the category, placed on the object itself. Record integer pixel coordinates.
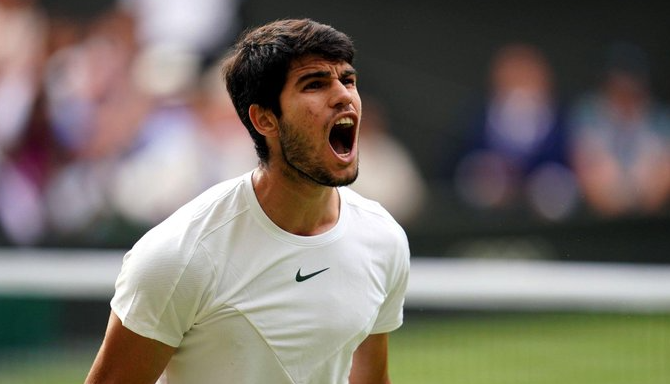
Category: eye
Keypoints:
(314, 85)
(349, 81)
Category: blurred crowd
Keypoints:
(110, 124)
(113, 123)
(607, 153)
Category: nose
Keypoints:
(341, 96)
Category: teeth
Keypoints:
(347, 121)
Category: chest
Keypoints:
(298, 297)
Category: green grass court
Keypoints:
(534, 349)
(457, 348)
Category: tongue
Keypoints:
(338, 146)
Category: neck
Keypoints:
(297, 206)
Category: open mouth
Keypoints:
(342, 136)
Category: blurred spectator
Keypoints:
(94, 108)
(514, 152)
(84, 74)
(161, 171)
(24, 159)
(226, 146)
(23, 28)
(388, 173)
(201, 27)
(621, 139)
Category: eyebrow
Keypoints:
(324, 74)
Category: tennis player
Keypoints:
(282, 275)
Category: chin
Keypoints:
(347, 179)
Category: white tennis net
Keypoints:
(435, 283)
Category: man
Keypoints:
(279, 276)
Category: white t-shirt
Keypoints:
(233, 292)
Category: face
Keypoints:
(318, 130)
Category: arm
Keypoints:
(370, 362)
(126, 357)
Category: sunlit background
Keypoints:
(523, 145)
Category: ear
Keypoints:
(264, 120)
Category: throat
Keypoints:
(341, 139)
(299, 208)
(311, 221)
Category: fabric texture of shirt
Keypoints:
(226, 286)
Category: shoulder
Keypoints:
(178, 237)
(364, 205)
(369, 214)
(357, 201)
(385, 240)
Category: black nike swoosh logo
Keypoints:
(299, 277)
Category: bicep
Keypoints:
(126, 357)
(370, 361)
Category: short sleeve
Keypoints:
(160, 291)
(390, 315)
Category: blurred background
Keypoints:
(510, 131)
